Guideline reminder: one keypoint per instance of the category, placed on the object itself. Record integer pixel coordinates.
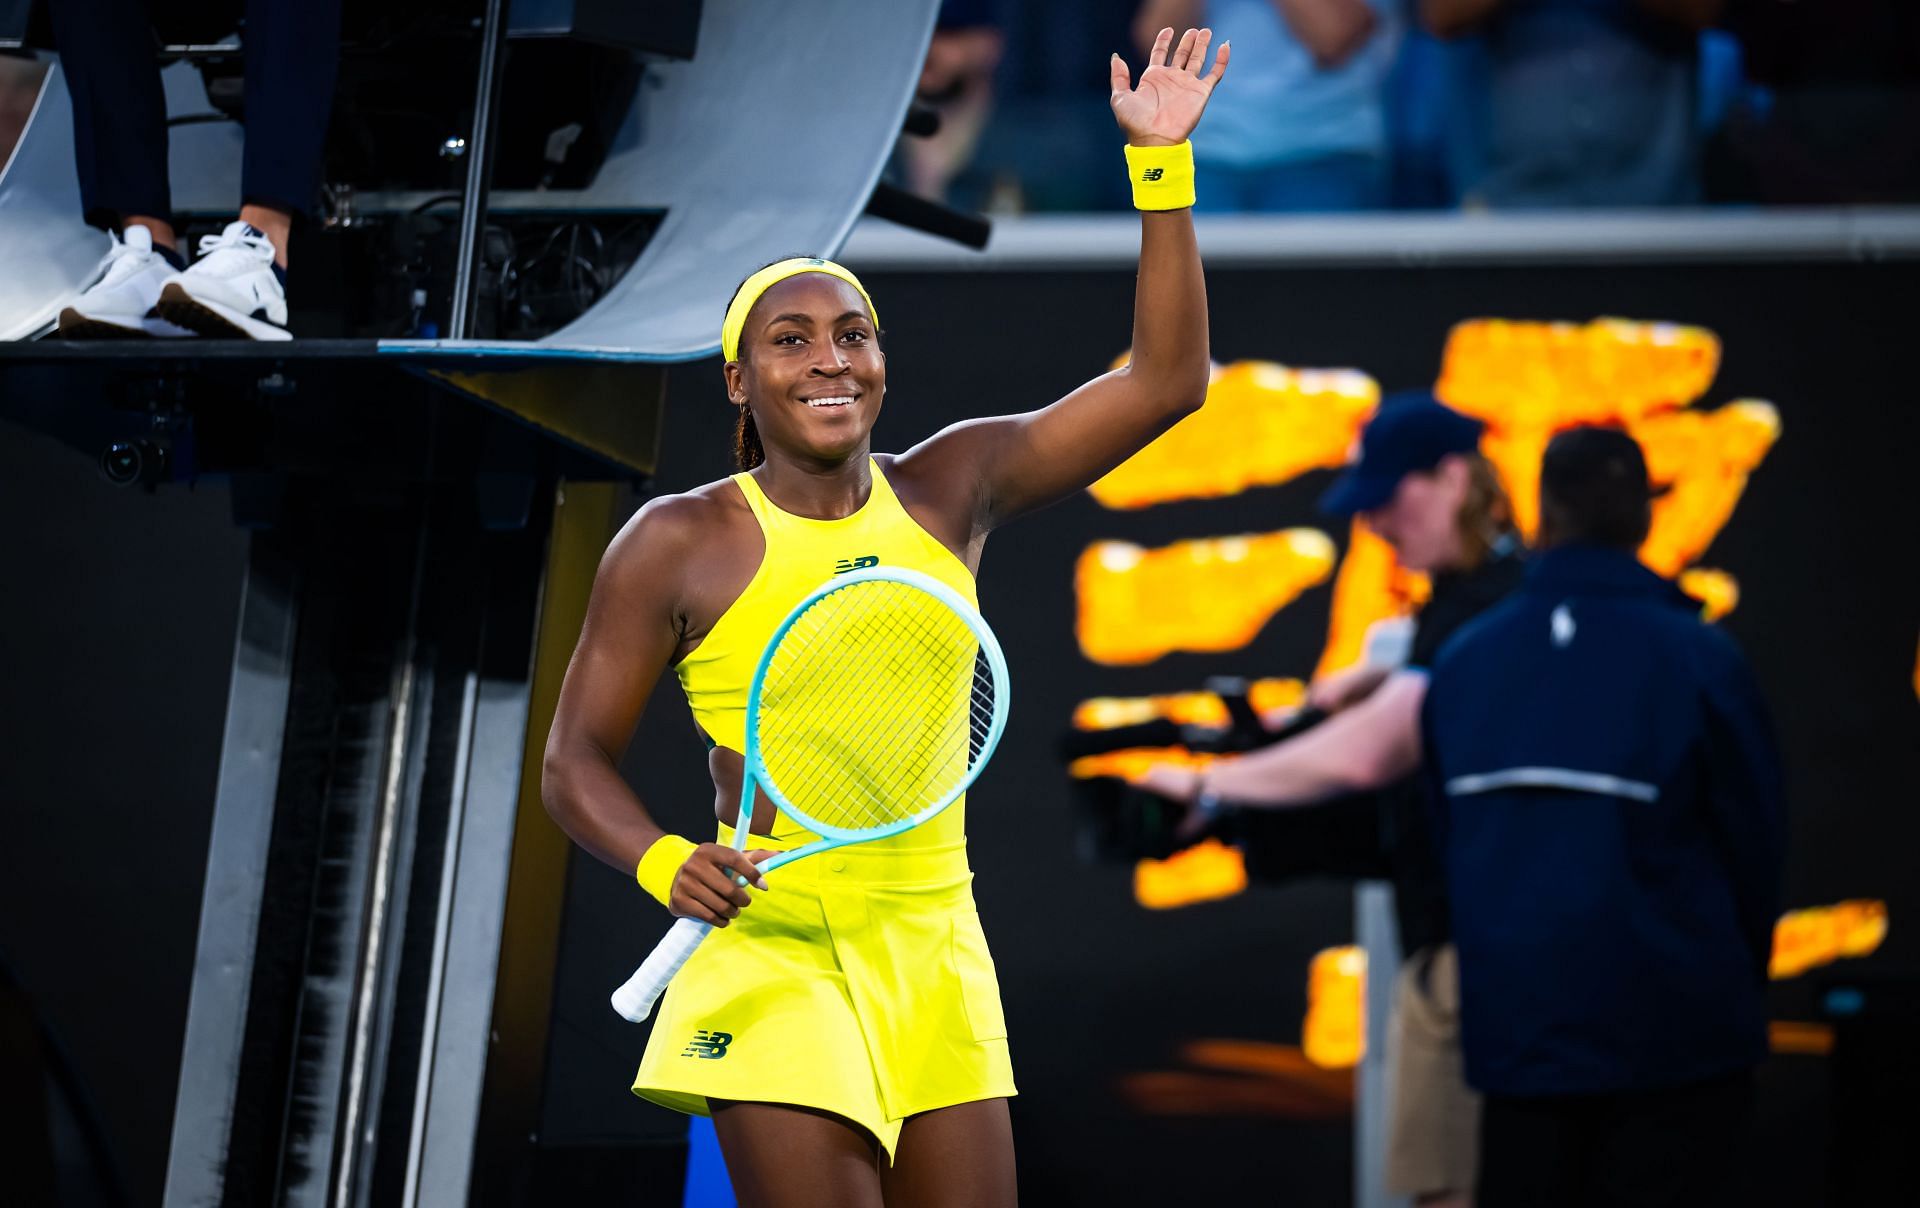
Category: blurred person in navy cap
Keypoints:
(1421, 483)
(1608, 803)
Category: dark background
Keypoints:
(116, 626)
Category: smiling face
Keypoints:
(810, 369)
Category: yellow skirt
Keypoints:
(859, 983)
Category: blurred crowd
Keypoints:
(1347, 105)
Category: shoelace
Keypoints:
(235, 241)
(121, 261)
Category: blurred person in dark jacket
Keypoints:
(1609, 811)
(1579, 102)
(1424, 487)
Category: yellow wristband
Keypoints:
(661, 863)
(1162, 176)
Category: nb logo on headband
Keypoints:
(1152, 174)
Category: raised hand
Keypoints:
(1166, 106)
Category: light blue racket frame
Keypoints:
(635, 999)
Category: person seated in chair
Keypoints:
(236, 288)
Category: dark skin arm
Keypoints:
(990, 470)
(636, 625)
(683, 560)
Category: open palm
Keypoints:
(1172, 93)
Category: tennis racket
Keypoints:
(875, 704)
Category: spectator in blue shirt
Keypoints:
(1579, 102)
(1305, 128)
(1609, 813)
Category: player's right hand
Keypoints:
(706, 887)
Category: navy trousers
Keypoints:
(108, 52)
(1678, 1147)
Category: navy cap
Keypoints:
(1411, 431)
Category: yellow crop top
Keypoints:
(801, 554)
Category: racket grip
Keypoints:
(635, 1000)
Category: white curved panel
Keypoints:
(767, 143)
(46, 251)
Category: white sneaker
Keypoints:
(231, 291)
(119, 302)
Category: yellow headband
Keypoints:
(766, 279)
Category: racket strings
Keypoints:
(980, 707)
(888, 663)
(883, 761)
(874, 707)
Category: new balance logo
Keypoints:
(711, 1046)
(861, 563)
(1152, 173)
(1562, 625)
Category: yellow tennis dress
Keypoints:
(859, 983)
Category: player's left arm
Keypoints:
(1015, 463)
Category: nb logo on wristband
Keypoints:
(1153, 174)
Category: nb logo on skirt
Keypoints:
(709, 1045)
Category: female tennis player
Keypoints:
(844, 1030)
